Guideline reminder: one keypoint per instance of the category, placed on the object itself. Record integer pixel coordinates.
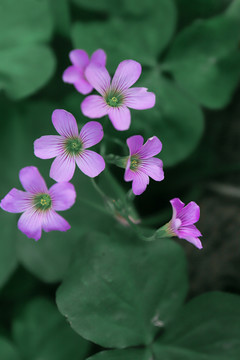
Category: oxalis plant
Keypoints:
(124, 288)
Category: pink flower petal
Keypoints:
(62, 168)
(49, 146)
(63, 196)
(151, 148)
(54, 222)
(177, 205)
(72, 74)
(139, 98)
(30, 223)
(189, 230)
(129, 175)
(91, 134)
(65, 123)
(190, 214)
(90, 163)
(16, 201)
(120, 117)
(94, 106)
(98, 77)
(127, 73)
(140, 183)
(195, 241)
(79, 58)
(99, 57)
(153, 167)
(83, 86)
(32, 180)
(135, 143)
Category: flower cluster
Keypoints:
(71, 147)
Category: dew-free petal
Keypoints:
(90, 163)
(153, 167)
(91, 134)
(83, 86)
(49, 146)
(62, 168)
(54, 222)
(120, 117)
(63, 196)
(72, 74)
(140, 183)
(177, 206)
(99, 57)
(65, 123)
(16, 201)
(79, 58)
(30, 223)
(190, 214)
(189, 230)
(134, 143)
(98, 77)
(127, 73)
(128, 175)
(151, 148)
(32, 180)
(139, 98)
(195, 241)
(94, 106)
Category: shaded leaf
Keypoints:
(40, 332)
(139, 354)
(7, 350)
(127, 288)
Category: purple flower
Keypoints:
(71, 147)
(181, 224)
(38, 204)
(141, 164)
(116, 96)
(75, 74)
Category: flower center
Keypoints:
(114, 99)
(134, 163)
(73, 146)
(43, 202)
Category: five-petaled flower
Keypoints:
(181, 224)
(38, 204)
(141, 162)
(75, 74)
(116, 95)
(71, 147)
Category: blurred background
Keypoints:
(190, 54)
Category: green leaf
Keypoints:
(26, 64)
(25, 69)
(7, 351)
(204, 60)
(61, 16)
(192, 10)
(124, 38)
(130, 354)
(40, 332)
(176, 119)
(127, 288)
(8, 256)
(208, 327)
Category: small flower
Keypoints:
(71, 147)
(38, 204)
(181, 224)
(116, 96)
(75, 74)
(141, 164)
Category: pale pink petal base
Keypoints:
(30, 223)
(120, 117)
(54, 222)
(32, 180)
(62, 168)
(90, 163)
(91, 134)
(63, 196)
(16, 201)
(94, 106)
(49, 146)
(65, 123)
